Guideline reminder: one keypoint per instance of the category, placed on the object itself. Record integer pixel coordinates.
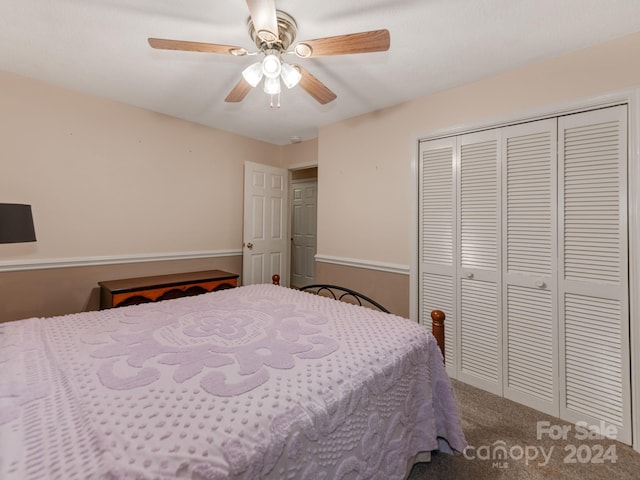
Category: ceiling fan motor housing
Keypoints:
(287, 29)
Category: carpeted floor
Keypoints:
(490, 422)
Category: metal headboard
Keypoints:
(343, 294)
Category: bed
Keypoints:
(254, 382)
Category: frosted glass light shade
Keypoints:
(253, 74)
(272, 86)
(290, 75)
(271, 66)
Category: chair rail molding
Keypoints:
(371, 265)
(44, 263)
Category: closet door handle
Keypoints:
(541, 284)
(469, 275)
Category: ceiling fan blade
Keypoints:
(239, 91)
(364, 42)
(264, 18)
(315, 87)
(165, 44)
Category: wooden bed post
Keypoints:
(275, 279)
(437, 328)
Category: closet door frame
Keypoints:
(631, 97)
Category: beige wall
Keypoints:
(366, 162)
(302, 154)
(58, 291)
(108, 179)
(391, 290)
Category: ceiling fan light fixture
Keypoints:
(271, 66)
(253, 74)
(272, 86)
(290, 75)
(303, 50)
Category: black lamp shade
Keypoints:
(16, 223)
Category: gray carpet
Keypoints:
(488, 420)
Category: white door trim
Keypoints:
(634, 259)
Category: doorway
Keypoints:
(303, 198)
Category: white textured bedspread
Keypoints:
(249, 383)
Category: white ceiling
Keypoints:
(100, 47)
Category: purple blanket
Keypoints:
(253, 382)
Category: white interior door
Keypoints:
(594, 276)
(529, 239)
(537, 219)
(479, 260)
(265, 226)
(439, 241)
(304, 200)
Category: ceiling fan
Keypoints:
(274, 31)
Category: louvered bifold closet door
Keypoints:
(593, 281)
(479, 260)
(529, 294)
(438, 239)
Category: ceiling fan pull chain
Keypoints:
(271, 102)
